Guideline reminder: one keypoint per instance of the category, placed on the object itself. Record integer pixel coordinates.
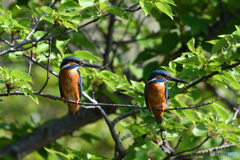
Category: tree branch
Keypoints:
(94, 103)
(37, 23)
(14, 48)
(50, 132)
(206, 151)
(192, 149)
(124, 115)
(48, 65)
(208, 76)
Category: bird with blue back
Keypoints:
(156, 92)
(70, 81)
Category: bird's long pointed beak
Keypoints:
(177, 80)
(91, 65)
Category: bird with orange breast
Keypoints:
(156, 92)
(70, 81)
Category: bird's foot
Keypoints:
(163, 109)
(63, 99)
(77, 101)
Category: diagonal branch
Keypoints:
(206, 151)
(192, 149)
(124, 115)
(209, 76)
(50, 132)
(5, 41)
(37, 23)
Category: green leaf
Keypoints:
(70, 25)
(69, 6)
(221, 111)
(25, 22)
(110, 84)
(21, 75)
(89, 137)
(2, 81)
(195, 95)
(190, 45)
(146, 6)
(86, 55)
(46, 9)
(49, 19)
(43, 47)
(200, 130)
(32, 96)
(85, 3)
(107, 74)
(135, 128)
(219, 45)
(60, 46)
(41, 58)
(169, 2)
(118, 12)
(2, 8)
(165, 8)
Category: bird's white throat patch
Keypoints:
(151, 80)
(67, 65)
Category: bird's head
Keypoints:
(163, 76)
(75, 63)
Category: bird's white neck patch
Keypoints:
(151, 80)
(65, 66)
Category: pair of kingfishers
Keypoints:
(70, 85)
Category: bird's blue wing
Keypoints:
(59, 84)
(145, 93)
(80, 85)
(166, 92)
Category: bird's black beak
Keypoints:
(91, 65)
(176, 80)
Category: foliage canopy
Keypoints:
(197, 41)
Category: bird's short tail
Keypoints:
(73, 109)
(158, 116)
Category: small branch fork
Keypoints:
(206, 151)
(180, 154)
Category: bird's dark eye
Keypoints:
(80, 62)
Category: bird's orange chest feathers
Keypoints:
(69, 83)
(156, 95)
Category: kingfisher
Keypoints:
(70, 81)
(156, 92)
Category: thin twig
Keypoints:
(48, 66)
(207, 150)
(192, 149)
(236, 112)
(208, 76)
(124, 115)
(14, 48)
(179, 141)
(37, 23)
(126, 136)
(93, 91)
(164, 144)
(5, 41)
(109, 37)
